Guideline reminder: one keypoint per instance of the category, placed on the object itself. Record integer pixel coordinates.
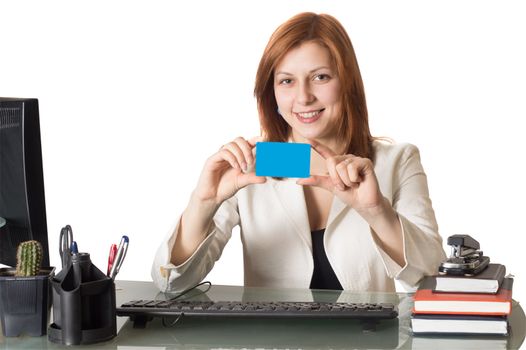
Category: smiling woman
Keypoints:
(363, 219)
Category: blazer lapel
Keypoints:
(337, 207)
(292, 200)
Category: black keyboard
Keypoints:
(150, 308)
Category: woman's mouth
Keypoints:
(309, 117)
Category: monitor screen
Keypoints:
(22, 203)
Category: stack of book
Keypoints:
(448, 304)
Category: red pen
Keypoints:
(111, 258)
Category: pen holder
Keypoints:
(83, 304)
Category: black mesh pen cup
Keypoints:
(83, 304)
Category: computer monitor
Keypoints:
(22, 202)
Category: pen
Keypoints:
(111, 258)
(119, 258)
(74, 248)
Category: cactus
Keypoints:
(29, 258)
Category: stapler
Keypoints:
(466, 259)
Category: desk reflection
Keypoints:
(251, 333)
(206, 333)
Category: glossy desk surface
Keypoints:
(224, 333)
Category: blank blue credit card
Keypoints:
(281, 159)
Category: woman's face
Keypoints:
(307, 91)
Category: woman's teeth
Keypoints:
(309, 114)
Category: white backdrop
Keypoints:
(134, 95)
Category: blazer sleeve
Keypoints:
(171, 278)
(423, 251)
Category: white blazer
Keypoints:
(276, 236)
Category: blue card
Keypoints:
(282, 159)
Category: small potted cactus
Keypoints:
(25, 299)
(28, 259)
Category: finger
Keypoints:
(358, 169)
(253, 141)
(226, 155)
(354, 175)
(353, 172)
(333, 173)
(248, 179)
(238, 153)
(319, 181)
(342, 170)
(321, 149)
(246, 148)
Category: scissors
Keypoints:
(65, 240)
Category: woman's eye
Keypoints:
(322, 77)
(285, 81)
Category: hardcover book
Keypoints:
(428, 302)
(471, 342)
(487, 281)
(459, 324)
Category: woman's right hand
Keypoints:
(225, 172)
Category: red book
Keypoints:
(428, 302)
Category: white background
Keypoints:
(135, 95)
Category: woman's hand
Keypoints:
(351, 179)
(225, 172)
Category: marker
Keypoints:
(111, 258)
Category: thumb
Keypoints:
(318, 181)
(248, 179)
(255, 140)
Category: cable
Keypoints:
(191, 288)
(171, 324)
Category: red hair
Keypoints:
(327, 31)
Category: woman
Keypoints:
(364, 218)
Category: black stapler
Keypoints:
(466, 259)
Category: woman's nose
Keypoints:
(304, 94)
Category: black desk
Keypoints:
(205, 333)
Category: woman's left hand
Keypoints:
(351, 179)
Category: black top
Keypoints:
(323, 276)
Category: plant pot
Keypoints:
(25, 302)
